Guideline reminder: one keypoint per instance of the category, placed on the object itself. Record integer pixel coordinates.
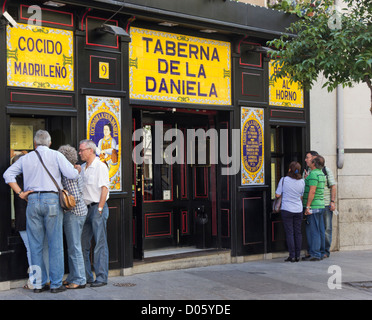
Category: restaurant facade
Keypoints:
(178, 98)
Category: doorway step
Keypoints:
(174, 259)
(172, 251)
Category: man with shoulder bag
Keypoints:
(44, 213)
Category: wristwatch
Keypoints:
(19, 193)
(100, 210)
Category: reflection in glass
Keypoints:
(157, 177)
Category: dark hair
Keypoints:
(294, 170)
(318, 162)
(16, 157)
(313, 153)
(108, 124)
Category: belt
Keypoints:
(92, 204)
(46, 192)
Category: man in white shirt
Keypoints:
(95, 194)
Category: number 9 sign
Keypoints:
(104, 70)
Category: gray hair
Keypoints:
(42, 138)
(318, 162)
(90, 144)
(69, 152)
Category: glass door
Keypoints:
(172, 204)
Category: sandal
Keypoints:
(65, 283)
(75, 286)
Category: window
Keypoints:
(276, 158)
(157, 184)
(22, 131)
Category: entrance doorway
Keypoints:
(22, 129)
(174, 204)
(287, 145)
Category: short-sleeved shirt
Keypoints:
(318, 179)
(75, 187)
(94, 177)
(292, 192)
(330, 181)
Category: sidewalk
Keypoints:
(257, 280)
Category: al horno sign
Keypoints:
(283, 92)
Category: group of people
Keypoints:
(41, 220)
(44, 219)
(310, 195)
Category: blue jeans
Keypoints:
(328, 215)
(24, 237)
(73, 226)
(44, 218)
(315, 233)
(96, 226)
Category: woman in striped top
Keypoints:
(73, 222)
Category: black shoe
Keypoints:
(314, 259)
(297, 259)
(96, 284)
(45, 288)
(58, 290)
(289, 259)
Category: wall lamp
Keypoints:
(262, 49)
(115, 30)
(208, 30)
(259, 49)
(10, 19)
(167, 24)
(54, 4)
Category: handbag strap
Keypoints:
(282, 185)
(41, 160)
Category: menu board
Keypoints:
(21, 137)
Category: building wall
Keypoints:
(262, 3)
(354, 182)
(323, 134)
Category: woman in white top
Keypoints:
(292, 186)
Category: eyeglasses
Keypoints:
(81, 150)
